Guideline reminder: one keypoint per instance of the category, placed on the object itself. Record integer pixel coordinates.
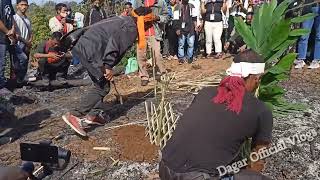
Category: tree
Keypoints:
(40, 24)
(271, 35)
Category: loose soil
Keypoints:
(134, 145)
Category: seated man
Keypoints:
(99, 49)
(52, 59)
(217, 123)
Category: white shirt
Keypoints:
(196, 10)
(23, 26)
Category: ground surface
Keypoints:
(131, 156)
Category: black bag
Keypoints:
(69, 40)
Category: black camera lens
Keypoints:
(64, 154)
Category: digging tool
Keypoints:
(118, 94)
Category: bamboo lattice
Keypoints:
(161, 119)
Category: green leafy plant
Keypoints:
(271, 35)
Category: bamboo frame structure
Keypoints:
(161, 119)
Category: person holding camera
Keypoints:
(60, 23)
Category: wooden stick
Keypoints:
(102, 148)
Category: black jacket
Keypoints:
(105, 43)
(95, 15)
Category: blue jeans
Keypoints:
(182, 41)
(3, 50)
(75, 61)
(303, 43)
(20, 62)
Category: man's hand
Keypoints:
(157, 18)
(63, 21)
(10, 33)
(226, 46)
(108, 74)
(178, 32)
(198, 28)
(54, 56)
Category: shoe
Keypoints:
(190, 61)
(97, 120)
(75, 123)
(314, 64)
(181, 61)
(144, 82)
(300, 64)
(218, 56)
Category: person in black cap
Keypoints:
(209, 134)
(99, 48)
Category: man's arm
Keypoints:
(3, 28)
(262, 138)
(112, 54)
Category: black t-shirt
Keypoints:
(185, 17)
(208, 135)
(6, 16)
(215, 9)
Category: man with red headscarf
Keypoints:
(210, 133)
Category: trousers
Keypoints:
(166, 173)
(154, 45)
(213, 32)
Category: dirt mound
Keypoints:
(134, 145)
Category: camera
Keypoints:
(51, 157)
(69, 20)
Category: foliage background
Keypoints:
(40, 16)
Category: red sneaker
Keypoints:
(74, 122)
(97, 120)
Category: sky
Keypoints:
(43, 1)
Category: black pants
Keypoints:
(166, 173)
(173, 41)
(52, 69)
(92, 103)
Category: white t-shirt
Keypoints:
(197, 12)
(23, 26)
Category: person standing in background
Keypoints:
(213, 25)
(198, 27)
(59, 23)
(24, 37)
(171, 34)
(185, 22)
(7, 34)
(127, 9)
(304, 40)
(153, 36)
(96, 13)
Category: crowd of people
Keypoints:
(170, 29)
(186, 31)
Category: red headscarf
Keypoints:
(65, 27)
(230, 92)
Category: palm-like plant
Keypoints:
(271, 35)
